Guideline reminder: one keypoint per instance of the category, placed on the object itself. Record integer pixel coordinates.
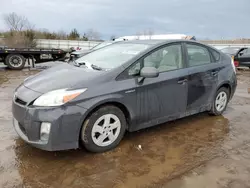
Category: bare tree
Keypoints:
(138, 34)
(62, 35)
(29, 26)
(91, 34)
(150, 33)
(21, 32)
(16, 22)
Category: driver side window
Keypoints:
(135, 69)
(164, 59)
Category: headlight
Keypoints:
(57, 97)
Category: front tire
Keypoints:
(103, 129)
(220, 101)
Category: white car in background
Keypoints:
(156, 37)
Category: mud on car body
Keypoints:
(123, 87)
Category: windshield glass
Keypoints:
(112, 56)
(230, 50)
(101, 45)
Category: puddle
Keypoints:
(192, 152)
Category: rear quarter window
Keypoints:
(215, 54)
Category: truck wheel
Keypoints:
(15, 61)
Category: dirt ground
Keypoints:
(196, 152)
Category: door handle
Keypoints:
(182, 81)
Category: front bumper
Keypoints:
(66, 122)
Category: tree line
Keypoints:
(22, 33)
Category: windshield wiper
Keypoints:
(79, 64)
(96, 67)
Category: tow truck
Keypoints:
(16, 58)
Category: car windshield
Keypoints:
(112, 56)
(230, 50)
(101, 45)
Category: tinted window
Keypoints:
(198, 55)
(165, 59)
(113, 55)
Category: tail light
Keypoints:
(233, 64)
(236, 63)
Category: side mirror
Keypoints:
(149, 72)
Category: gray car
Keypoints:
(123, 87)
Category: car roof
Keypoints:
(154, 42)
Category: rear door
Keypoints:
(203, 76)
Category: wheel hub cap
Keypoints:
(15, 61)
(221, 101)
(106, 130)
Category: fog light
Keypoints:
(44, 131)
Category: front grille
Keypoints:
(20, 101)
(22, 128)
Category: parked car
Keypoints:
(77, 54)
(242, 58)
(126, 86)
(240, 55)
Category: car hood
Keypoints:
(59, 77)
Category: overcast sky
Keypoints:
(202, 18)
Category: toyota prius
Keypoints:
(127, 86)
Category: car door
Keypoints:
(243, 57)
(164, 97)
(203, 77)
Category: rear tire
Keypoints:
(220, 101)
(15, 61)
(103, 129)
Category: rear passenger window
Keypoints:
(198, 55)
